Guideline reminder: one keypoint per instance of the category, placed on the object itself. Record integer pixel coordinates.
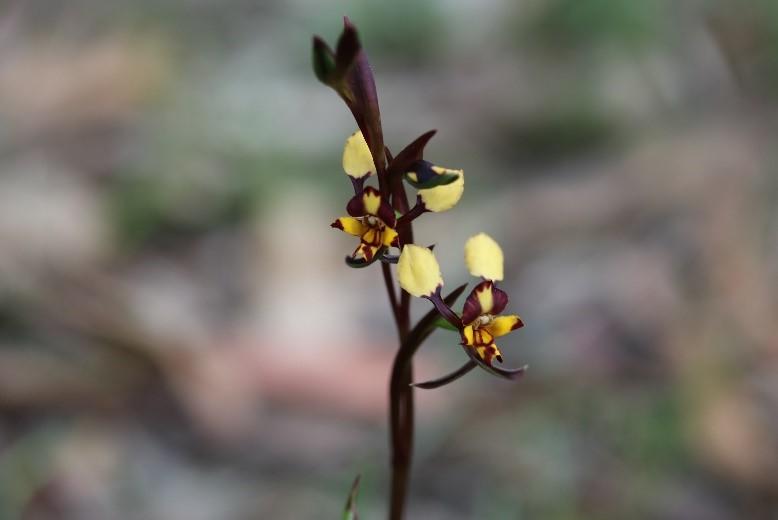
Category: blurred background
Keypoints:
(179, 335)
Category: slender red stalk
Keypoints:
(401, 406)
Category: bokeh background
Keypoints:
(179, 336)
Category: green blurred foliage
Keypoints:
(578, 25)
(558, 132)
(405, 32)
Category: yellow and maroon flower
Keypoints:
(480, 315)
(480, 322)
(372, 220)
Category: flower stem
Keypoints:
(401, 406)
(401, 411)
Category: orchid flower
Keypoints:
(480, 321)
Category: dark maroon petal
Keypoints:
(347, 49)
(386, 214)
(472, 308)
(356, 206)
(500, 299)
(448, 378)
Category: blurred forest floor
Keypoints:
(179, 338)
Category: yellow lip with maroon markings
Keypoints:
(372, 232)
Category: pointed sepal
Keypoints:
(409, 155)
(448, 378)
(506, 373)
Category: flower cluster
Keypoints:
(375, 223)
(380, 216)
(371, 217)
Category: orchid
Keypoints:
(382, 218)
(480, 321)
(371, 217)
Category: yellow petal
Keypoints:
(357, 161)
(418, 271)
(389, 236)
(483, 257)
(502, 325)
(350, 225)
(442, 198)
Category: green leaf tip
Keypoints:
(350, 511)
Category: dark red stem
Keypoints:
(401, 406)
